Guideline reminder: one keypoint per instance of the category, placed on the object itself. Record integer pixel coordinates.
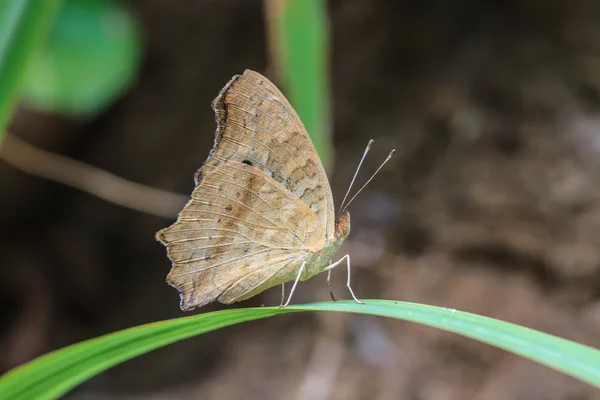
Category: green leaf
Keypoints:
(24, 25)
(54, 374)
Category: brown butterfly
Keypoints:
(262, 211)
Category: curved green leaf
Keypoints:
(54, 374)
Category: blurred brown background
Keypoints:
(492, 204)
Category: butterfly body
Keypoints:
(321, 258)
(261, 213)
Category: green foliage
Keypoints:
(54, 374)
(24, 26)
(76, 63)
(90, 58)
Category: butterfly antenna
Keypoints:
(356, 173)
(370, 179)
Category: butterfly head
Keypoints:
(342, 225)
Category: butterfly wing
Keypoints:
(262, 203)
(257, 125)
(241, 233)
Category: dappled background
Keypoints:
(491, 205)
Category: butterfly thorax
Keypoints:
(342, 225)
(322, 258)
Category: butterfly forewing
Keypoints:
(258, 126)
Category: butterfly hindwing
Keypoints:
(241, 233)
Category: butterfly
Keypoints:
(262, 211)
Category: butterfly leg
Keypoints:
(282, 294)
(338, 262)
(294, 286)
(329, 285)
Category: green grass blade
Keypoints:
(301, 50)
(24, 25)
(54, 374)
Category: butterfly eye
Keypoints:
(247, 162)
